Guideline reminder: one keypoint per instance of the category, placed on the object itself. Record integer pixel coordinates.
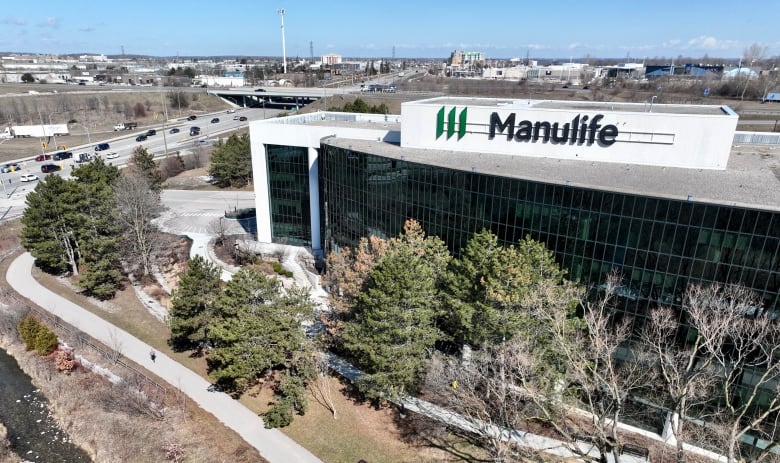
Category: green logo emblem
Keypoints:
(451, 122)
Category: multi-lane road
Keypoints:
(13, 191)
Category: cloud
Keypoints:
(51, 22)
(14, 21)
(710, 43)
(87, 29)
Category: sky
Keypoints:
(563, 29)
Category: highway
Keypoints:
(14, 191)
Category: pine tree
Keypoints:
(98, 230)
(467, 306)
(393, 330)
(192, 304)
(256, 328)
(47, 229)
(143, 161)
(231, 162)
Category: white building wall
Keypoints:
(670, 139)
(293, 131)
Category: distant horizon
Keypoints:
(688, 59)
(625, 31)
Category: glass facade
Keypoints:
(658, 245)
(288, 190)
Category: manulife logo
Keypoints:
(450, 123)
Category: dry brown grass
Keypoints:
(113, 423)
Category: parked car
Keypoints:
(29, 178)
(242, 118)
(62, 155)
(42, 157)
(102, 147)
(9, 168)
(141, 137)
(215, 120)
(46, 168)
(192, 117)
(174, 130)
(151, 132)
(112, 155)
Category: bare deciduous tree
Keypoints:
(725, 369)
(137, 205)
(320, 387)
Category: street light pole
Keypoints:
(53, 132)
(284, 50)
(165, 118)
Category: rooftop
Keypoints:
(518, 104)
(751, 178)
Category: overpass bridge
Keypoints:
(288, 98)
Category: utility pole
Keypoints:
(284, 50)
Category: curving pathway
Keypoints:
(271, 443)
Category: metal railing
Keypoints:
(83, 340)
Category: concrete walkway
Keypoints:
(271, 443)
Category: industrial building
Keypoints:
(658, 192)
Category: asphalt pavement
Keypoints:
(271, 443)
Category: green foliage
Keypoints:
(492, 289)
(143, 161)
(48, 224)
(256, 329)
(27, 78)
(192, 304)
(45, 341)
(290, 398)
(231, 162)
(69, 225)
(393, 330)
(37, 336)
(279, 270)
(99, 233)
(360, 106)
(28, 330)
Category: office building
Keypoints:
(659, 192)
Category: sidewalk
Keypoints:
(271, 443)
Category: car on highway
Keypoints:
(230, 111)
(259, 89)
(242, 118)
(29, 177)
(215, 120)
(62, 155)
(151, 132)
(174, 130)
(192, 117)
(42, 157)
(46, 168)
(194, 130)
(102, 147)
(113, 155)
(141, 137)
(10, 168)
